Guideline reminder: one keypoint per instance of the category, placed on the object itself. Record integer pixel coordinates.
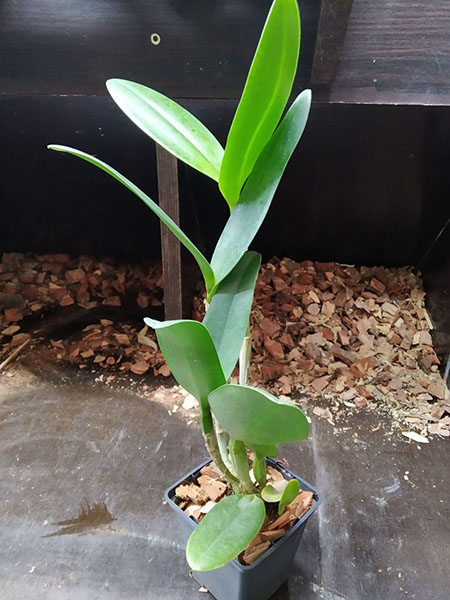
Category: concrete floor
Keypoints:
(382, 532)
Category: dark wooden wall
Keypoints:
(392, 51)
(72, 47)
(436, 275)
(368, 183)
(396, 51)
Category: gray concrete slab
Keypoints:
(66, 441)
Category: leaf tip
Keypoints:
(152, 322)
(115, 85)
(112, 82)
(58, 148)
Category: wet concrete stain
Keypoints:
(89, 520)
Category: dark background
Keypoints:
(369, 183)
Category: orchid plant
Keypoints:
(234, 418)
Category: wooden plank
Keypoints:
(171, 252)
(192, 49)
(396, 51)
(334, 16)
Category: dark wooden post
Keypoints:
(334, 17)
(167, 167)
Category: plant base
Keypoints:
(261, 579)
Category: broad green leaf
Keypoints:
(271, 494)
(205, 267)
(227, 316)
(225, 531)
(259, 190)
(257, 417)
(190, 353)
(269, 83)
(169, 124)
(290, 493)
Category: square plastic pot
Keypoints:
(261, 579)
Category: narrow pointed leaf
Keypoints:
(228, 314)
(169, 124)
(259, 190)
(257, 417)
(290, 493)
(264, 98)
(225, 531)
(190, 353)
(205, 267)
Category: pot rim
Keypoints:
(317, 500)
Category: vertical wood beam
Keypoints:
(167, 169)
(333, 21)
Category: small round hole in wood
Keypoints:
(155, 39)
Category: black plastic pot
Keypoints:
(261, 579)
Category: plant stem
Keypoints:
(216, 441)
(259, 464)
(239, 458)
(214, 438)
(213, 449)
(244, 358)
(259, 470)
(206, 420)
(222, 442)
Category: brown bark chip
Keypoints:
(191, 492)
(275, 349)
(281, 522)
(274, 534)
(301, 504)
(251, 554)
(139, 368)
(214, 489)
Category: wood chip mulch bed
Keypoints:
(347, 338)
(357, 337)
(34, 285)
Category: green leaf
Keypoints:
(169, 124)
(190, 353)
(259, 463)
(264, 98)
(271, 494)
(201, 260)
(227, 316)
(259, 190)
(225, 531)
(256, 417)
(264, 450)
(290, 493)
(260, 470)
